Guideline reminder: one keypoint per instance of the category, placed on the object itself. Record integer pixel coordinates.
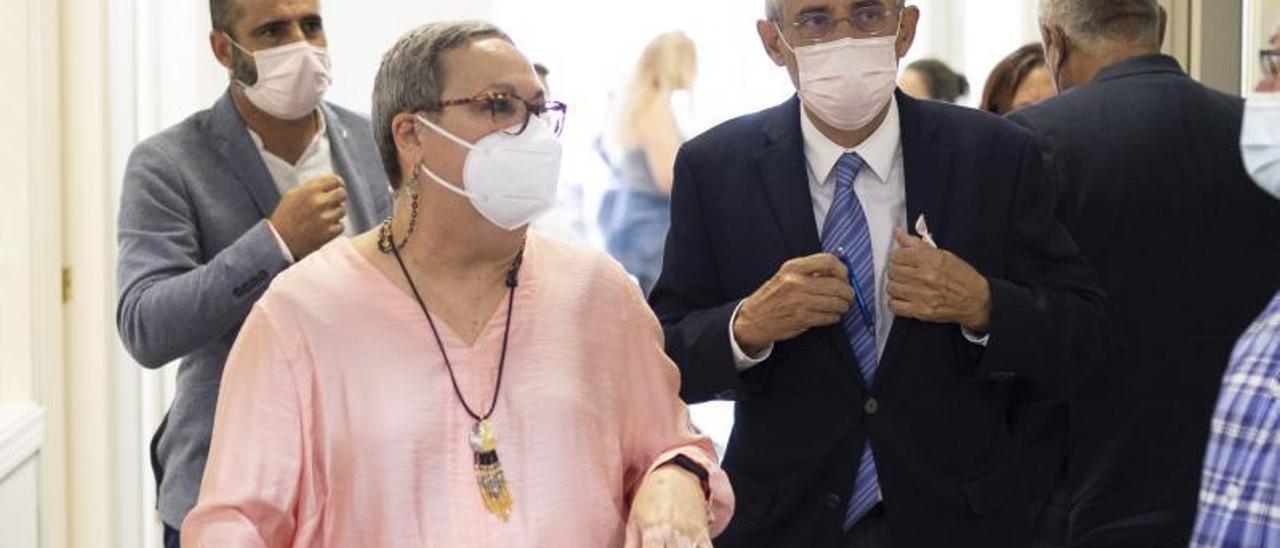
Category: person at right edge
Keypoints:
(874, 369)
(1150, 181)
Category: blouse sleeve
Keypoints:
(250, 492)
(657, 421)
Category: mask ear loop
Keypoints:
(422, 166)
(783, 38)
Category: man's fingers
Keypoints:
(333, 215)
(335, 196)
(913, 256)
(833, 287)
(907, 241)
(904, 291)
(325, 183)
(903, 308)
(828, 305)
(824, 319)
(822, 264)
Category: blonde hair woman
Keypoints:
(644, 140)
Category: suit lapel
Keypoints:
(927, 172)
(360, 202)
(781, 165)
(239, 152)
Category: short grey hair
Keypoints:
(412, 78)
(1096, 23)
(773, 9)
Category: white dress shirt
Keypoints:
(881, 188)
(316, 161)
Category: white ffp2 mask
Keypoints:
(510, 180)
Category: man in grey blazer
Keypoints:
(217, 206)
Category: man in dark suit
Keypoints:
(873, 371)
(1150, 183)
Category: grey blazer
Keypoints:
(196, 253)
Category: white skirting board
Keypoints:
(21, 432)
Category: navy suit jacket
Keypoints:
(1151, 184)
(937, 416)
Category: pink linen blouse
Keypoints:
(337, 425)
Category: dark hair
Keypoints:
(1002, 85)
(541, 69)
(224, 14)
(942, 83)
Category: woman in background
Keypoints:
(641, 152)
(933, 79)
(1020, 80)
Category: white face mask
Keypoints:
(510, 179)
(1260, 141)
(847, 82)
(292, 79)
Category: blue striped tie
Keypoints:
(846, 235)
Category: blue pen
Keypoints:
(863, 309)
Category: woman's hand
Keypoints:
(669, 511)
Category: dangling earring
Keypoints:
(386, 239)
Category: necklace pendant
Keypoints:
(489, 477)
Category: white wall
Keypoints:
(973, 36)
(1261, 19)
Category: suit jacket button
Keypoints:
(834, 501)
(872, 406)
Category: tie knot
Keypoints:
(847, 169)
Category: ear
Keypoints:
(221, 46)
(1164, 25)
(406, 130)
(772, 42)
(1053, 39)
(907, 30)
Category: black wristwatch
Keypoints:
(694, 468)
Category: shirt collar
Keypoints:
(877, 151)
(322, 132)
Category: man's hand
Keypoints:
(669, 511)
(806, 293)
(310, 215)
(934, 285)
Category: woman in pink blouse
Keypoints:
(453, 379)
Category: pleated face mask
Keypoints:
(1260, 141)
(292, 79)
(847, 82)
